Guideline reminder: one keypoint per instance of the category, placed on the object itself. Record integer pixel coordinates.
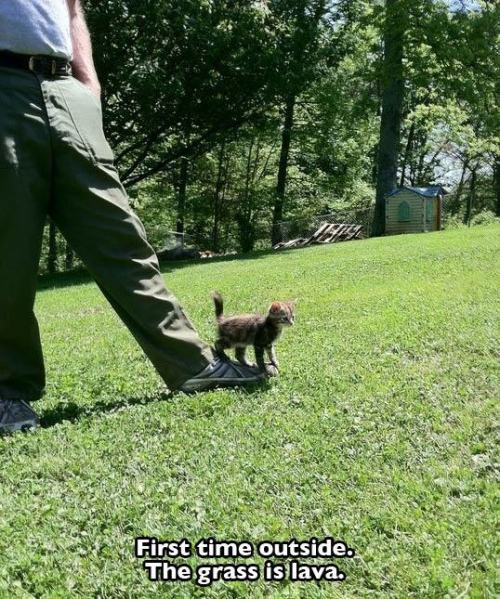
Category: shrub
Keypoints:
(485, 218)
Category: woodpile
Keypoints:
(326, 233)
(177, 253)
(182, 253)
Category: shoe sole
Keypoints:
(19, 426)
(208, 384)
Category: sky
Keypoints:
(461, 4)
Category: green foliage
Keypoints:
(485, 218)
(454, 222)
(380, 430)
(153, 202)
(207, 81)
(452, 101)
(178, 72)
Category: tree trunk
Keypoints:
(181, 195)
(471, 199)
(392, 103)
(497, 185)
(52, 255)
(70, 257)
(217, 200)
(246, 212)
(226, 184)
(286, 139)
(454, 207)
(407, 154)
(420, 168)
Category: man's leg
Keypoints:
(91, 209)
(24, 198)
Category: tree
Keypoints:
(392, 103)
(203, 67)
(298, 47)
(229, 116)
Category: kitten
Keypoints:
(253, 329)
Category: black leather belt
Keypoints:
(42, 65)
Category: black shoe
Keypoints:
(223, 373)
(16, 415)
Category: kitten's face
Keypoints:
(283, 313)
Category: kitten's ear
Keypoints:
(275, 308)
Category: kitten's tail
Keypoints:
(218, 303)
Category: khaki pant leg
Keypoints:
(91, 209)
(25, 172)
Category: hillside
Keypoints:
(379, 432)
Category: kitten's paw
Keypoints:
(271, 370)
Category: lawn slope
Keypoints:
(380, 430)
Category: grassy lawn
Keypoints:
(380, 431)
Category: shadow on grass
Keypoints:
(83, 277)
(72, 412)
(255, 255)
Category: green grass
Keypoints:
(380, 430)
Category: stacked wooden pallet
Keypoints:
(326, 233)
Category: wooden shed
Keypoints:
(414, 210)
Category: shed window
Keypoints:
(429, 210)
(404, 211)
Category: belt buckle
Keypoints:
(32, 65)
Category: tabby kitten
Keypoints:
(253, 329)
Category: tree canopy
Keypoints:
(229, 117)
